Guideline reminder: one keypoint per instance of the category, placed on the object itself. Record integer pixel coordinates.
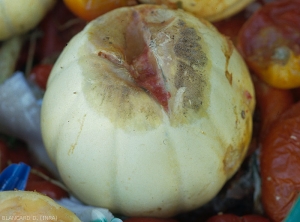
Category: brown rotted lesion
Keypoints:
(191, 64)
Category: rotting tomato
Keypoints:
(269, 42)
(280, 164)
(234, 218)
(91, 9)
(271, 102)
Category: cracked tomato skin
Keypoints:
(280, 164)
(269, 42)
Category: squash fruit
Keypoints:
(211, 10)
(32, 206)
(18, 17)
(148, 112)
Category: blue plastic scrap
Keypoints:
(14, 177)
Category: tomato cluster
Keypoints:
(269, 41)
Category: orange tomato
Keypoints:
(91, 9)
(269, 42)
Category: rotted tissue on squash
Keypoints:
(117, 96)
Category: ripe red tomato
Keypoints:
(269, 42)
(91, 9)
(39, 74)
(280, 164)
(234, 218)
(148, 219)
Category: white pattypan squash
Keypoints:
(19, 16)
(32, 206)
(148, 112)
(212, 10)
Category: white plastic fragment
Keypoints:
(88, 213)
(20, 117)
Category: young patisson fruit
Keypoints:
(148, 111)
(18, 17)
(212, 10)
(32, 206)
